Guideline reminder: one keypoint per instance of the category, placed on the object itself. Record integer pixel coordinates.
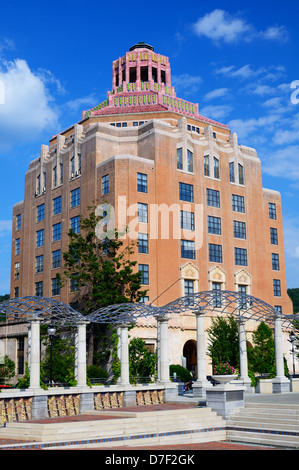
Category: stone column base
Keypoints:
(280, 385)
(200, 387)
(86, 402)
(129, 398)
(39, 407)
(225, 399)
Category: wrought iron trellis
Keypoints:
(40, 308)
(240, 305)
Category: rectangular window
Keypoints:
(144, 299)
(187, 220)
(74, 287)
(16, 292)
(238, 203)
(242, 296)
(275, 262)
(276, 288)
(272, 210)
(40, 213)
(206, 165)
(232, 172)
(241, 174)
(190, 161)
(216, 168)
(188, 249)
(57, 205)
(56, 232)
(213, 198)
(18, 222)
(143, 243)
(54, 176)
(186, 192)
(239, 229)
(179, 158)
(18, 246)
(55, 286)
(105, 184)
(143, 268)
(39, 264)
(72, 167)
(39, 289)
(240, 257)
(278, 308)
(141, 182)
(75, 224)
(216, 288)
(40, 238)
(215, 253)
(17, 270)
(188, 287)
(56, 257)
(75, 197)
(214, 225)
(273, 236)
(142, 213)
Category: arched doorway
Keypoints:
(189, 352)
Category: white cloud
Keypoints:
(187, 83)
(218, 93)
(222, 27)
(242, 73)
(27, 108)
(215, 112)
(283, 163)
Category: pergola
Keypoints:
(37, 310)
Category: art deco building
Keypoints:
(152, 157)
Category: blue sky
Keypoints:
(236, 60)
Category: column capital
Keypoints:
(200, 311)
(163, 318)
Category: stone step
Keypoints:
(258, 424)
(145, 423)
(273, 440)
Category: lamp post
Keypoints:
(292, 338)
(51, 333)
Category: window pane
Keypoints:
(272, 211)
(142, 243)
(214, 225)
(239, 229)
(179, 158)
(75, 197)
(206, 165)
(216, 168)
(213, 198)
(215, 253)
(105, 184)
(142, 182)
(57, 205)
(142, 212)
(188, 249)
(190, 161)
(187, 220)
(238, 203)
(240, 257)
(186, 192)
(143, 268)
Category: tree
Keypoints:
(262, 355)
(224, 341)
(100, 269)
(7, 370)
(294, 296)
(101, 273)
(63, 360)
(142, 361)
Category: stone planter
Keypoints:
(224, 379)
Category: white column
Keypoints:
(163, 348)
(124, 355)
(35, 354)
(280, 382)
(201, 349)
(243, 353)
(81, 355)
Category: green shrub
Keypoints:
(183, 374)
(96, 372)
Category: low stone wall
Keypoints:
(23, 405)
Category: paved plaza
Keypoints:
(184, 402)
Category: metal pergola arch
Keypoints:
(233, 303)
(49, 311)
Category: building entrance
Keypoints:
(189, 352)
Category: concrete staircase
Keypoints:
(190, 425)
(268, 424)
